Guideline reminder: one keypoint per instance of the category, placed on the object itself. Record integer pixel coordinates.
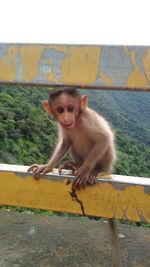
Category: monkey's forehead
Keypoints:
(65, 100)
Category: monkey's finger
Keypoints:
(60, 168)
(44, 171)
(32, 167)
(81, 182)
(76, 172)
(68, 182)
(37, 172)
(76, 180)
(89, 181)
(36, 176)
(74, 187)
(69, 165)
(34, 170)
(93, 180)
(75, 183)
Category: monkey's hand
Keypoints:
(69, 165)
(39, 169)
(84, 177)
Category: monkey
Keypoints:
(90, 140)
(82, 132)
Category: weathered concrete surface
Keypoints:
(84, 66)
(37, 240)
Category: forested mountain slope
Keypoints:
(28, 135)
(129, 111)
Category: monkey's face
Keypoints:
(66, 110)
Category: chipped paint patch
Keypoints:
(116, 64)
(106, 78)
(146, 63)
(8, 65)
(135, 78)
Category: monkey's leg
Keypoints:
(69, 165)
(116, 253)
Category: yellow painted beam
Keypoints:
(83, 66)
(119, 197)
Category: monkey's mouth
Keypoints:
(69, 126)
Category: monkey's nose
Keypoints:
(66, 120)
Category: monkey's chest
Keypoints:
(81, 145)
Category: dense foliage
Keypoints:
(28, 135)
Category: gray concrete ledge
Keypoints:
(31, 240)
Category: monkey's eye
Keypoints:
(70, 108)
(60, 110)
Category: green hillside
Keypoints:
(28, 135)
(129, 111)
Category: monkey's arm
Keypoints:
(98, 150)
(59, 152)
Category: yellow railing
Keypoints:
(120, 197)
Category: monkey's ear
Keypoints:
(46, 107)
(84, 101)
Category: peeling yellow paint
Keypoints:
(81, 65)
(130, 202)
(27, 192)
(146, 63)
(135, 78)
(74, 65)
(106, 78)
(8, 65)
(30, 56)
(60, 48)
(50, 76)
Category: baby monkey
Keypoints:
(89, 139)
(83, 132)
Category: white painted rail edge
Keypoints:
(67, 174)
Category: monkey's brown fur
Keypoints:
(83, 132)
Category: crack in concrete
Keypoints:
(74, 196)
